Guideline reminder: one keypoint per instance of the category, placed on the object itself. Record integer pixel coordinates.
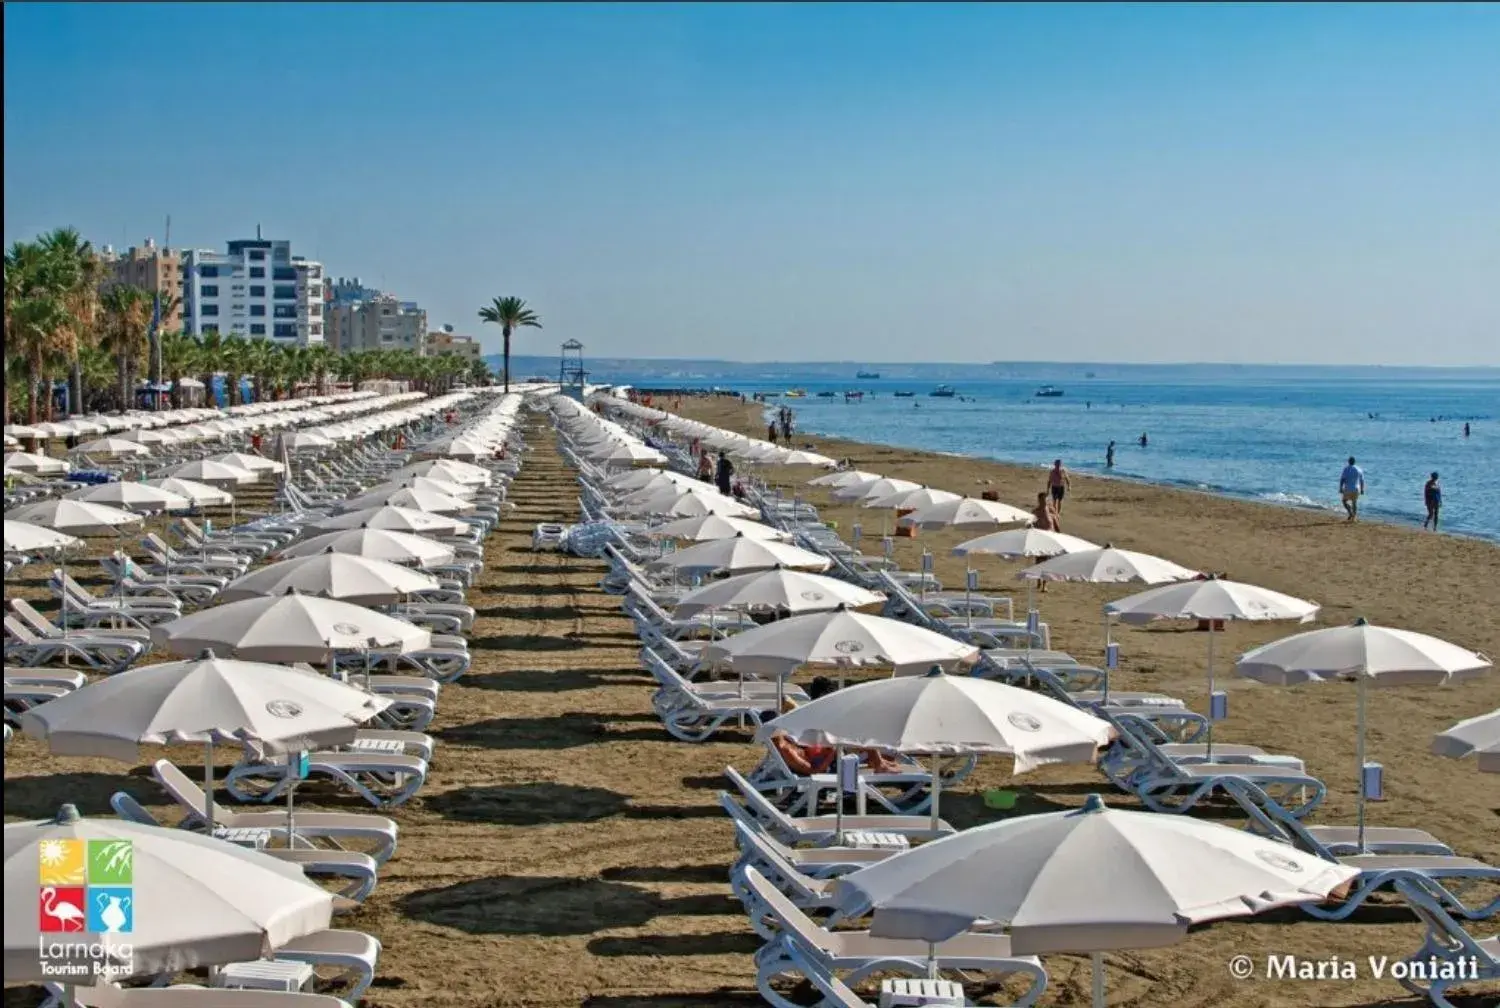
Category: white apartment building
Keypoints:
(255, 290)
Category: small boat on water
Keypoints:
(1048, 392)
(903, 395)
(854, 394)
(943, 392)
(827, 395)
(795, 393)
(867, 375)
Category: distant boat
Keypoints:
(868, 375)
(943, 392)
(795, 393)
(854, 394)
(1049, 392)
(1089, 375)
(903, 395)
(827, 395)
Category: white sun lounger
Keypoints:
(822, 830)
(385, 780)
(23, 646)
(1449, 946)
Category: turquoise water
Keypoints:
(1270, 434)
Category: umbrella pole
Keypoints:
(1105, 698)
(937, 788)
(838, 782)
(1359, 755)
(1209, 748)
(1097, 958)
(208, 786)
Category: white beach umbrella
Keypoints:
(394, 519)
(911, 500)
(146, 435)
(660, 484)
(213, 473)
(967, 512)
(247, 460)
(303, 440)
(843, 478)
(24, 537)
(132, 497)
(1013, 544)
(75, 517)
(195, 900)
(797, 457)
(447, 469)
(839, 639)
(29, 462)
(357, 579)
(418, 499)
(627, 454)
(1475, 736)
(636, 479)
(1212, 599)
(1087, 881)
(1377, 656)
(741, 553)
(287, 628)
(779, 589)
(377, 544)
(873, 489)
(1108, 565)
(434, 483)
(112, 446)
(21, 431)
(690, 503)
(704, 528)
(199, 493)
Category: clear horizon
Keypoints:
(1316, 185)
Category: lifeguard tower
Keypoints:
(571, 374)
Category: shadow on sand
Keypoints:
(533, 905)
(533, 804)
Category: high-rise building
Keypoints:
(382, 322)
(152, 268)
(346, 290)
(257, 289)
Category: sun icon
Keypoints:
(61, 862)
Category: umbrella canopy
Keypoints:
(637, 479)
(24, 537)
(874, 489)
(688, 504)
(435, 483)
(1209, 599)
(76, 517)
(705, 528)
(194, 900)
(31, 463)
(132, 497)
(418, 499)
(252, 462)
(287, 628)
(801, 457)
(1478, 735)
(394, 519)
(357, 579)
(741, 554)
(947, 715)
(1089, 880)
(113, 446)
(204, 700)
(911, 500)
(377, 544)
(1107, 565)
(1024, 542)
(451, 470)
(967, 512)
(214, 473)
(199, 493)
(843, 478)
(789, 590)
(842, 639)
(629, 453)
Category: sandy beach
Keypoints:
(567, 852)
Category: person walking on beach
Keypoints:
(1045, 519)
(1432, 496)
(1351, 485)
(1058, 483)
(771, 433)
(1109, 456)
(705, 467)
(725, 474)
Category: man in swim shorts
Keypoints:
(1351, 486)
(1058, 483)
(1432, 496)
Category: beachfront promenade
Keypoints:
(566, 851)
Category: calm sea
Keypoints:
(1269, 434)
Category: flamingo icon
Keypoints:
(72, 917)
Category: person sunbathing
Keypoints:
(806, 760)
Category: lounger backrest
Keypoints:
(792, 920)
(15, 628)
(654, 611)
(757, 804)
(78, 590)
(756, 841)
(127, 808)
(182, 789)
(28, 615)
(1265, 812)
(1442, 929)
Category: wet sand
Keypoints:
(567, 852)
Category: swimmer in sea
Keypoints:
(1144, 442)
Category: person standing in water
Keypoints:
(1109, 456)
(1058, 484)
(1432, 496)
(1351, 486)
(1466, 428)
(1144, 442)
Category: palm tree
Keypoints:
(34, 333)
(127, 314)
(211, 360)
(163, 304)
(510, 314)
(77, 273)
(180, 356)
(236, 357)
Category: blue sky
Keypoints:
(888, 182)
